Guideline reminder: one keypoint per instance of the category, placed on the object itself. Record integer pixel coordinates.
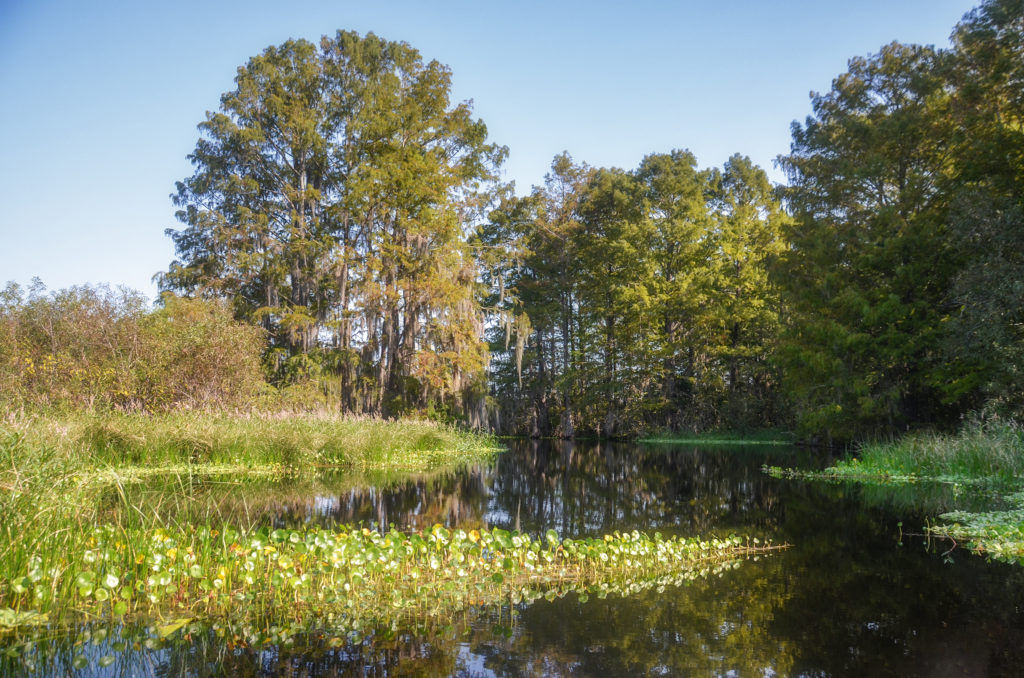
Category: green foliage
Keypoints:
(984, 455)
(983, 449)
(902, 280)
(636, 299)
(169, 443)
(62, 478)
(366, 577)
(329, 202)
(985, 345)
(94, 348)
(998, 534)
(197, 354)
(738, 438)
(870, 263)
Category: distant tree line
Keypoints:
(635, 300)
(344, 205)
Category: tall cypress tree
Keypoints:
(332, 199)
(870, 263)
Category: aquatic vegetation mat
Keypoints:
(997, 534)
(352, 576)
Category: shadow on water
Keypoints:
(847, 599)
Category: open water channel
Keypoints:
(856, 594)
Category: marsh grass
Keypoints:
(980, 450)
(738, 438)
(985, 458)
(981, 455)
(178, 440)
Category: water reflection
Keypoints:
(846, 600)
(578, 490)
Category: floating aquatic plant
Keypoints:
(997, 534)
(985, 458)
(338, 574)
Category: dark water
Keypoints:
(847, 599)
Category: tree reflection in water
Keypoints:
(845, 600)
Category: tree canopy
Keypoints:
(330, 202)
(341, 201)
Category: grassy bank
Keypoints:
(989, 455)
(134, 443)
(760, 437)
(989, 451)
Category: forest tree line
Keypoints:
(345, 206)
(881, 288)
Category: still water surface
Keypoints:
(847, 599)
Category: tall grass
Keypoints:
(983, 454)
(174, 441)
(63, 477)
(979, 450)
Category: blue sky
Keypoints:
(102, 99)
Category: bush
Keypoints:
(94, 347)
(197, 355)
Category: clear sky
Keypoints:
(101, 99)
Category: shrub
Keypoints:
(94, 347)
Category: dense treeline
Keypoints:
(344, 205)
(887, 295)
(903, 279)
(637, 300)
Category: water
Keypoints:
(854, 595)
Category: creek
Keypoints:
(857, 593)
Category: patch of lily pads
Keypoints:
(997, 534)
(352, 577)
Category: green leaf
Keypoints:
(167, 629)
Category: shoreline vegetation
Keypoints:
(761, 437)
(982, 456)
(249, 441)
(76, 544)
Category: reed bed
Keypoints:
(249, 440)
(980, 450)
